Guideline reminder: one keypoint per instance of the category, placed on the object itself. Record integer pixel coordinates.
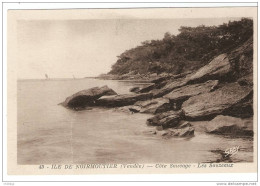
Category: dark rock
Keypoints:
(246, 80)
(213, 103)
(182, 75)
(223, 156)
(242, 109)
(161, 85)
(182, 132)
(184, 124)
(134, 89)
(148, 88)
(154, 106)
(170, 77)
(122, 100)
(87, 97)
(185, 92)
(164, 133)
(186, 131)
(170, 86)
(217, 68)
(166, 119)
(134, 110)
(241, 59)
(227, 125)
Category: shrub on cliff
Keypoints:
(192, 48)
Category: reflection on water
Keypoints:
(49, 133)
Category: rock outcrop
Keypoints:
(170, 86)
(214, 103)
(153, 106)
(223, 89)
(147, 88)
(242, 109)
(185, 92)
(153, 86)
(184, 124)
(134, 89)
(165, 120)
(246, 80)
(161, 79)
(87, 97)
(241, 59)
(218, 68)
(122, 100)
(178, 132)
(227, 125)
(181, 130)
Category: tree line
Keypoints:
(192, 48)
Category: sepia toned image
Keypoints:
(135, 90)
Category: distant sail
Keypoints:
(73, 77)
(46, 76)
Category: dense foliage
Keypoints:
(192, 48)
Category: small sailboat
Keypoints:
(46, 76)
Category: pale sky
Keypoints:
(63, 48)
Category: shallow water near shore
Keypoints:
(49, 133)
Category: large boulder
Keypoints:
(166, 119)
(217, 68)
(183, 93)
(227, 125)
(87, 97)
(154, 106)
(213, 103)
(122, 100)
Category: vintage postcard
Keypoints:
(132, 91)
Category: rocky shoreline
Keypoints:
(219, 93)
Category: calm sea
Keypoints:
(49, 133)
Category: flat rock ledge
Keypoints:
(214, 103)
(122, 100)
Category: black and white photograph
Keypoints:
(97, 88)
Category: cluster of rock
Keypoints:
(215, 93)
